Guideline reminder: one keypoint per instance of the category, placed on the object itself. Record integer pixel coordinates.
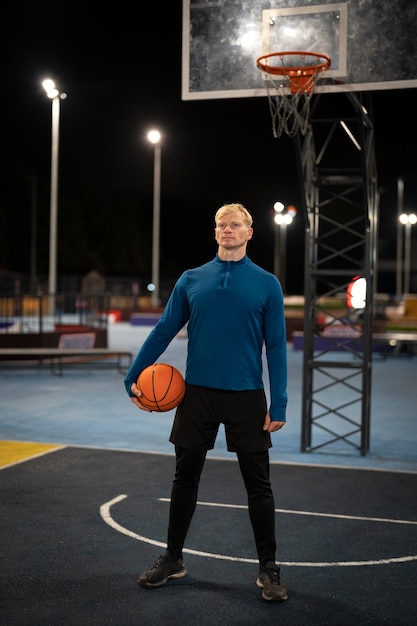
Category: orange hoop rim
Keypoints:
(285, 70)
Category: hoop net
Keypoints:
(290, 78)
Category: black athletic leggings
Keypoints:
(254, 467)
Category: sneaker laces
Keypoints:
(273, 575)
(159, 561)
(163, 560)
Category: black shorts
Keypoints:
(198, 417)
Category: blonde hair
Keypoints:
(226, 209)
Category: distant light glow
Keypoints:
(283, 218)
(408, 218)
(356, 293)
(48, 84)
(150, 287)
(248, 39)
(154, 136)
(51, 89)
(290, 32)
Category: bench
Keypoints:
(57, 357)
(390, 342)
(395, 342)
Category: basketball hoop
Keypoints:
(290, 78)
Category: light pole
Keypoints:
(53, 93)
(283, 217)
(408, 219)
(399, 263)
(154, 136)
(33, 231)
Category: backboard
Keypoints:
(371, 43)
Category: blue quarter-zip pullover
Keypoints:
(232, 309)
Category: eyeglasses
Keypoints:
(232, 225)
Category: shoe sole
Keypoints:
(164, 580)
(270, 598)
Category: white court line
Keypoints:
(312, 513)
(106, 516)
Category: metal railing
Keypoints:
(46, 313)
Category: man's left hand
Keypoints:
(270, 426)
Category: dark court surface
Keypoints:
(84, 515)
(79, 525)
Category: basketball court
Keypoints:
(85, 485)
(85, 479)
(79, 525)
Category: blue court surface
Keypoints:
(82, 519)
(88, 406)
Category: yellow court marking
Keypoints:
(16, 451)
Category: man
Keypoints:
(233, 307)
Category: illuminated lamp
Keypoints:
(356, 293)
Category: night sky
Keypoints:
(122, 73)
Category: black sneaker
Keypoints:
(270, 582)
(165, 567)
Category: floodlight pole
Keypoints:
(154, 136)
(408, 220)
(281, 253)
(407, 258)
(399, 264)
(53, 232)
(282, 218)
(33, 232)
(53, 93)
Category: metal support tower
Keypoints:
(337, 163)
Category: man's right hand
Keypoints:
(136, 399)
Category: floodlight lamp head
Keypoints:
(48, 84)
(51, 90)
(154, 136)
(283, 219)
(278, 207)
(408, 218)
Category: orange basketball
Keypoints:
(162, 387)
